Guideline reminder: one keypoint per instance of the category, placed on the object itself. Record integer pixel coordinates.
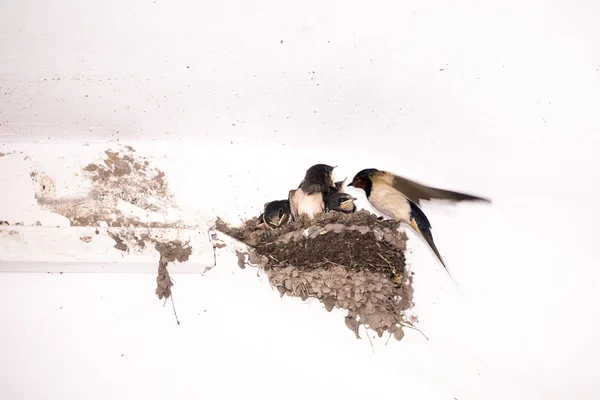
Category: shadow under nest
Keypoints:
(349, 261)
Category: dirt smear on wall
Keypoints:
(169, 251)
(121, 176)
(353, 262)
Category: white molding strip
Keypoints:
(90, 249)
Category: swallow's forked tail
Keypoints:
(422, 226)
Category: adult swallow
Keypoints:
(399, 198)
(275, 214)
(310, 197)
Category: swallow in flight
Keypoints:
(399, 198)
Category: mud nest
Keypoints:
(350, 261)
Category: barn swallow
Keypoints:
(338, 186)
(275, 214)
(340, 201)
(399, 198)
(310, 197)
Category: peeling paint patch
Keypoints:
(44, 186)
(126, 191)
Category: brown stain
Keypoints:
(128, 240)
(241, 257)
(174, 251)
(169, 251)
(119, 243)
(120, 175)
(350, 261)
(44, 187)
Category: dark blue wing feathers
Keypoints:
(420, 219)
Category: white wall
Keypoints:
(234, 100)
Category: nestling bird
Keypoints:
(399, 198)
(338, 200)
(275, 214)
(338, 186)
(309, 199)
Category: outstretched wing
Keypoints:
(417, 192)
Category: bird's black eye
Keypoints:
(339, 200)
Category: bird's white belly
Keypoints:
(390, 202)
(309, 204)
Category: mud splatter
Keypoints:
(127, 240)
(119, 243)
(174, 251)
(169, 251)
(130, 179)
(122, 178)
(241, 257)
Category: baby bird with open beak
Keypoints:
(338, 200)
(275, 214)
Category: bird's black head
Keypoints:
(341, 201)
(277, 213)
(362, 180)
(320, 169)
(340, 185)
(318, 178)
